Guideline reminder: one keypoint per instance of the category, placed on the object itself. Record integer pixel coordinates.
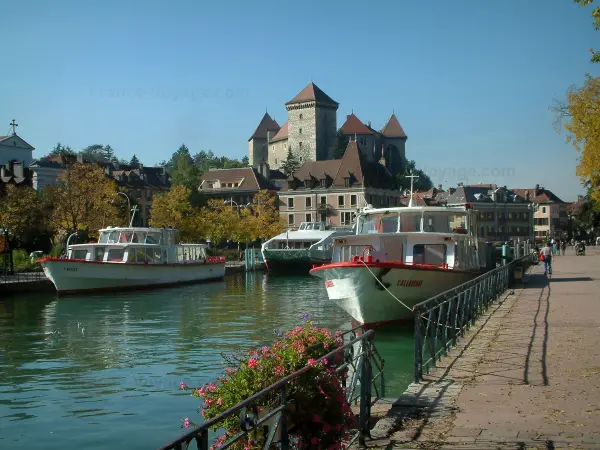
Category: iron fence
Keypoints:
(443, 319)
(21, 277)
(360, 358)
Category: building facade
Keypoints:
(551, 213)
(14, 148)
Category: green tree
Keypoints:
(596, 18)
(422, 183)
(245, 161)
(93, 152)
(109, 154)
(340, 145)
(134, 161)
(61, 149)
(291, 163)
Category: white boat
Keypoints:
(400, 257)
(132, 258)
(311, 244)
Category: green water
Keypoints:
(109, 376)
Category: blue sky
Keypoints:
(470, 81)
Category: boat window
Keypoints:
(99, 253)
(302, 227)
(131, 255)
(379, 223)
(410, 222)
(436, 222)
(108, 237)
(140, 254)
(103, 237)
(429, 254)
(153, 238)
(125, 236)
(79, 254)
(458, 222)
(116, 254)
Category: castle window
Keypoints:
(300, 144)
(323, 200)
(300, 130)
(323, 183)
(301, 119)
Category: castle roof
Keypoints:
(392, 128)
(353, 125)
(246, 178)
(282, 133)
(266, 124)
(312, 93)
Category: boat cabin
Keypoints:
(421, 235)
(312, 226)
(139, 246)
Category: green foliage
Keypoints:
(61, 149)
(340, 145)
(291, 163)
(322, 416)
(22, 213)
(22, 261)
(98, 152)
(57, 250)
(422, 183)
(596, 19)
(134, 161)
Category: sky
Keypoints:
(470, 81)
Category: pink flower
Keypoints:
(212, 387)
(186, 422)
(338, 427)
(316, 418)
(326, 428)
(182, 386)
(203, 413)
(220, 401)
(312, 362)
(314, 440)
(252, 363)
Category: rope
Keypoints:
(400, 301)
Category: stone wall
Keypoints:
(278, 153)
(302, 130)
(326, 130)
(257, 151)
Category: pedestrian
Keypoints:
(558, 247)
(553, 246)
(547, 255)
(564, 247)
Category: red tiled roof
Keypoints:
(266, 124)
(353, 125)
(312, 93)
(392, 128)
(352, 165)
(319, 169)
(252, 179)
(282, 133)
(542, 195)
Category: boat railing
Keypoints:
(441, 320)
(357, 356)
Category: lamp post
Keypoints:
(232, 202)
(128, 205)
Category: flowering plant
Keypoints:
(319, 411)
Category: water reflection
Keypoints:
(104, 370)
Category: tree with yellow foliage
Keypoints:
(173, 209)
(21, 213)
(217, 221)
(596, 19)
(84, 199)
(582, 115)
(267, 221)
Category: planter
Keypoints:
(272, 421)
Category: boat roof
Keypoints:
(142, 229)
(415, 209)
(310, 234)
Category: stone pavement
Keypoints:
(526, 376)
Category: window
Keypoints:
(308, 202)
(300, 144)
(78, 254)
(346, 218)
(323, 199)
(308, 218)
(99, 253)
(429, 254)
(300, 116)
(323, 183)
(299, 130)
(410, 222)
(543, 210)
(291, 219)
(525, 216)
(347, 181)
(116, 254)
(436, 223)
(353, 200)
(323, 217)
(275, 160)
(340, 200)
(290, 202)
(378, 223)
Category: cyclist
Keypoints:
(547, 252)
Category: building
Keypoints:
(551, 215)
(239, 185)
(502, 214)
(333, 191)
(14, 148)
(15, 172)
(310, 132)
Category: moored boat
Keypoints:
(400, 257)
(132, 258)
(311, 244)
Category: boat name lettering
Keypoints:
(71, 269)
(410, 283)
(329, 283)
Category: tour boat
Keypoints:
(132, 258)
(310, 244)
(400, 257)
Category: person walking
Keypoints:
(547, 254)
(564, 247)
(553, 246)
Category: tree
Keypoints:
(134, 161)
(291, 163)
(596, 16)
(84, 199)
(60, 149)
(267, 222)
(21, 213)
(340, 145)
(183, 170)
(422, 183)
(245, 161)
(93, 152)
(217, 221)
(109, 154)
(582, 122)
(173, 209)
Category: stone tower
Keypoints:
(312, 124)
(258, 144)
(394, 145)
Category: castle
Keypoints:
(311, 134)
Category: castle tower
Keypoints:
(312, 124)
(394, 145)
(258, 144)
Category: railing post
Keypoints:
(202, 440)
(418, 360)
(365, 393)
(283, 421)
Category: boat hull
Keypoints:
(71, 276)
(287, 260)
(358, 289)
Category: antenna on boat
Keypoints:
(412, 180)
(133, 211)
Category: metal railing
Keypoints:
(443, 319)
(362, 383)
(22, 277)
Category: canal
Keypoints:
(101, 371)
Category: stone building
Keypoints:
(551, 218)
(334, 191)
(310, 133)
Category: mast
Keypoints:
(412, 180)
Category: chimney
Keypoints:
(527, 195)
(80, 158)
(439, 187)
(17, 170)
(537, 189)
(460, 184)
(369, 124)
